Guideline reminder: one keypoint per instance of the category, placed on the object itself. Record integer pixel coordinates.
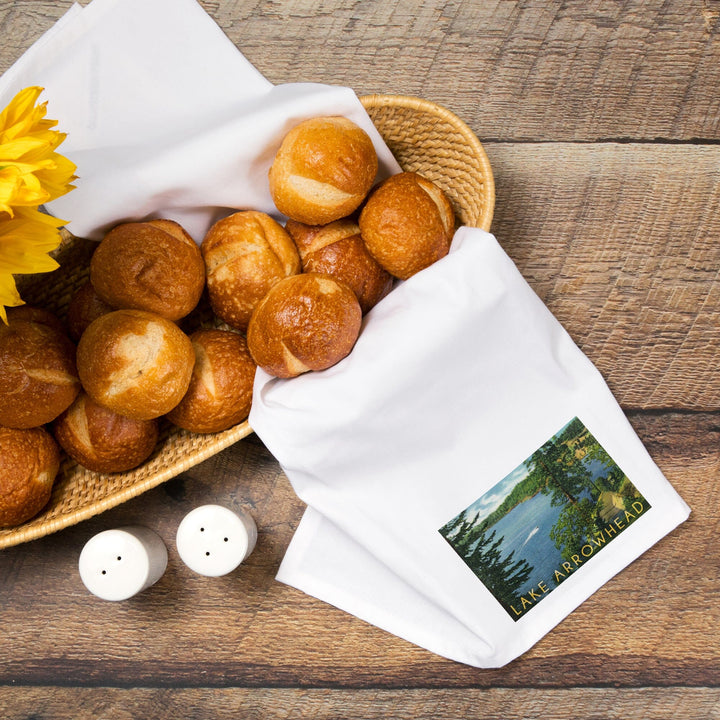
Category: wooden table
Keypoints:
(602, 123)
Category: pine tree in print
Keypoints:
(557, 463)
(503, 576)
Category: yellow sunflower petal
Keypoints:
(23, 263)
(10, 185)
(21, 188)
(19, 148)
(57, 180)
(21, 114)
(35, 216)
(9, 296)
(22, 105)
(30, 233)
(23, 252)
(30, 196)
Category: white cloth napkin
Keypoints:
(459, 375)
(164, 116)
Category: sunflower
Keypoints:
(31, 173)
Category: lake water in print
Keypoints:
(525, 530)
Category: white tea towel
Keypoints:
(470, 476)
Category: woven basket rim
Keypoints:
(410, 102)
(23, 534)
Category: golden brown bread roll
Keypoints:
(135, 363)
(338, 249)
(154, 266)
(101, 440)
(29, 313)
(220, 392)
(38, 377)
(323, 170)
(306, 322)
(407, 224)
(245, 255)
(85, 306)
(29, 462)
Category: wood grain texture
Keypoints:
(513, 70)
(248, 630)
(328, 704)
(518, 71)
(621, 242)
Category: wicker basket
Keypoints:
(424, 138)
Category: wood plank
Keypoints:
(22, 22)
(520, 71)
(621, 242)
(641, 69)
(328, 704)
(246, 629)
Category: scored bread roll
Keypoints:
(220, 392)
(135, 363)
(245, 254)
(338, 249)
(306, 322)
(154, 266)
(101, 440)
(38, 376)
(407, 224)
(323, 170)
(85, 306)
(29, 463)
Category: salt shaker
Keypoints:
(213, 540)
(118, 564)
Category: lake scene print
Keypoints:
(547, 518)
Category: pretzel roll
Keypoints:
(154, 266)
(38, 377)
(85, 306)
(101, 440)
(245, 255)
(30, 313)
(29, 462)
(407, 224)
(220, 392)
(323, 170)
(135, 363)
(338, 249)
(306, 322)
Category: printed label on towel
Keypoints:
(545, 519)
